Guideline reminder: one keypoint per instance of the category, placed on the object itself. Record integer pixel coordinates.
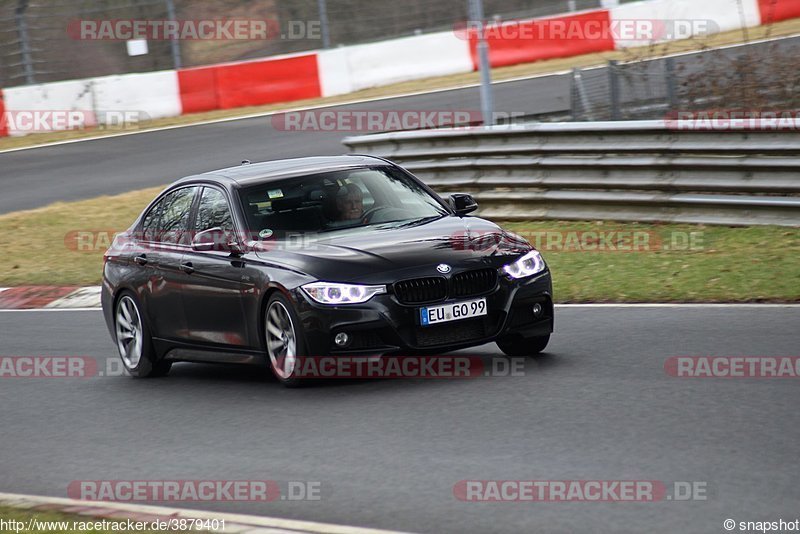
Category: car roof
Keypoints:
(257, 173)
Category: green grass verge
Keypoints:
(682, 263)
(665, 263)
(56, 521)
(41, 246)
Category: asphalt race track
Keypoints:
(387, 453)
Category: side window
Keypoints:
(213, 211)
(150, 223)
(175, 216)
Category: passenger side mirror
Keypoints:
(463, 203)
(215, 239)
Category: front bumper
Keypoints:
(384, 325)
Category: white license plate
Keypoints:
(452, 312)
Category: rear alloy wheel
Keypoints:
(134, 342)
(284, 344)
(520, 346)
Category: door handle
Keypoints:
(141, 259)
(187, 267)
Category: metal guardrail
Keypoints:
(627, 171)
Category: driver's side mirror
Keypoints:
(215, 239)
(463, 203)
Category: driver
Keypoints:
(349, 203)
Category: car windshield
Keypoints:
(336, 201)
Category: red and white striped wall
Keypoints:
(352, 68)
(778, 10)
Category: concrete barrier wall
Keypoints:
(249, 83)
(334, 72)
(145, 96)
(686, 16)
(24, 105)
(399, 60)
(154, 95)
(777, 10)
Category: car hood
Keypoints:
(382, 255)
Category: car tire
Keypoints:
(284, 343)
(134, 343)
(520, 346)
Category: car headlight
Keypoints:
(528, 265)
(332, 293)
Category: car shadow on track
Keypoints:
(490, 366)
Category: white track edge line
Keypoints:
(239, 519)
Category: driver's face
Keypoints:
(351, 207)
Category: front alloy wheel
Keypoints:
(284, 343)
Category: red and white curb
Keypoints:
(85, 297)
(49, 297)
(234, 523)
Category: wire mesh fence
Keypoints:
(624, 91)
(36, 45)
(759, 77)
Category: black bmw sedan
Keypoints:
(324, 256)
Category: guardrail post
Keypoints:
(24, 41)
(575, 103)
(669, 73)
(582, 100)
(613, 87)
(487, 102)
(322, 7)
(175, 46)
